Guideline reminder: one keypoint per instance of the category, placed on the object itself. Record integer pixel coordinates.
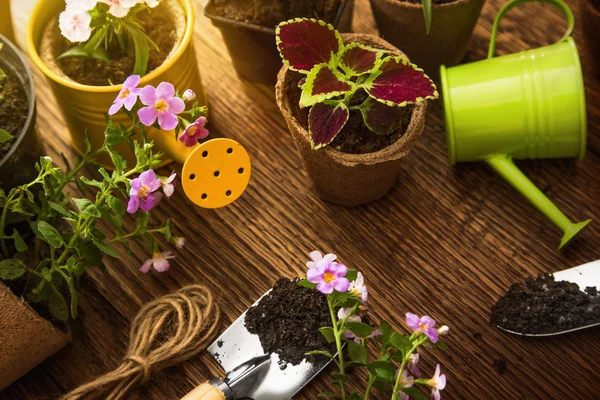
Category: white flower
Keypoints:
(75, 25)
(167, 184)
(179, 242)
(316, 256)
(358, 288)
(150, 3)
(120, 8)
(189, 95)
(444, 329)
(81, 5)
(160, 262)
(48, 158)
(437, 383)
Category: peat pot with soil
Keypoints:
(590, 22)
(248, 29)
(20, 146)
(87, 49)
(354, 105)
(431, 33)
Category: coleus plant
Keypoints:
(394, 369)
(336, 73)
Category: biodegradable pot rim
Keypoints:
(32, 48)
(30, 92)
(260, 28)
(395, 150)
(407, 4)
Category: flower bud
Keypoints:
(444, 329)
(189, 95)
(48, 158)
(179, 242)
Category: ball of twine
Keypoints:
(165, 332)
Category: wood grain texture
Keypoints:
(446, 241)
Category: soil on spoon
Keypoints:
(355, 137)
(13, 110)
(159, 25)
(543, 305)
(271, 12)
(287, 321)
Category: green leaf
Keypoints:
(20, 244)
(5, 136)
(340, 377)
(385, 374)
(319, 353)
(58, 306)
(351, 275)
(118, 161)
(50, 234)
(60, 209)
(11, 269)
(116, 205)
(106, 248)
(427, 14)
(142, 51)
(327, 331)
(386, 332)
(441, 344)
(354, 396)
(305, 283)
(74, 298)
(357, 352)
(415, 393)
(360, 329)
(87, 207)
(401, 342)
(329, 395)
(112, 134)
(92, 182)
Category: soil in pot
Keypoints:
(164, 25)
(543, 305)
(355, 137)
(287, 321)
(270, 12)
(13, 109)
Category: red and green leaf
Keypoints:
(397, 82)
(325, 121)
(304, 43)
(323, 83)
(358, 59)
(381, 118)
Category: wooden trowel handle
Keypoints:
(206, 391)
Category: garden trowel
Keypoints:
(249, 372)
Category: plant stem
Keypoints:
(372, 380)
(404, 361)
(9, 199)
(338, 343)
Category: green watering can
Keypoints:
(525, 106)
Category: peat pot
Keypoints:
(26, 339)
(84, 106)
(350, 179)
(18, 165)
(253, 49)
(402, 24)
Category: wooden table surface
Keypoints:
(446, 241)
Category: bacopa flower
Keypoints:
(162, 104)
(81, 5)
(74, 25)
(327, 274)
(119, 8)
(413, 360)
(194, 132)
(424, 325)
(444, 330)
(128, 95)
(179, 242)
(189, 95)
(404, 382)
(159, 261)
(168, 185)
(142, 192)
(342, 314)
(437, 383)
(358, 288)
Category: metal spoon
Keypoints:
(584, 276)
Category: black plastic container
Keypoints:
(252, 47)
(17, 167)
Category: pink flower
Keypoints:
(328, 275)
(424, 325)
(413, 360)
(75, 25)
(358, 289)
(404, 382)
(142, 192)
(189, 95)
(168, 185)
(162, 104)
(160, 262)
(194, 132)
(128, 95)
(437, 383)
(342, 314)
(119, 8)
(81, 5)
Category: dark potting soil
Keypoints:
(434, 2)
(287, 321)
(355, 137)
(543, 305)
(13, 109)
(159, 26)
(271, 12)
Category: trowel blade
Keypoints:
(281, 382)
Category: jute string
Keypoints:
(166, 332)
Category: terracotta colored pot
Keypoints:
(342, 178)
(590, 23)
(84, 106)
(252, 47)
(18, 165)
(402, 24)
(26, 339)
(6, 26)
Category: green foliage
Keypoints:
(5, 136)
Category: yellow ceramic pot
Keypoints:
(6, 27)
(84, 106)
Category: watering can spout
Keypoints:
(503, 165)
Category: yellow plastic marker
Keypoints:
(216, 173)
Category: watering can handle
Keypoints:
(560, 4)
